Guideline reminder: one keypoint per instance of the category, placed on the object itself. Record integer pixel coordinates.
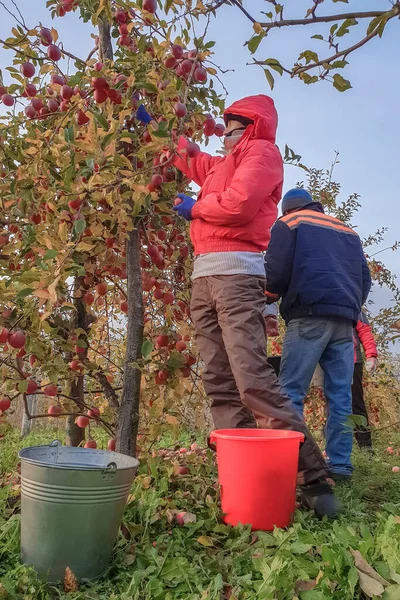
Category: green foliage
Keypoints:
(155, 558)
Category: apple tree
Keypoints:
(94, 266)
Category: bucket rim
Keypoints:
(111, 465)
(263, 435)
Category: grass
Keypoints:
(155, 558)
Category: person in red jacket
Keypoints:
(230, 228)
(364, 337)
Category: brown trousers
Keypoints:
(244, 390)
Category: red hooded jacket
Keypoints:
(239, 196)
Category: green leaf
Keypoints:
(274, 64)
(255, 42)
(79, 226)
(378, 23)
(24, 293)
(147, 348)
(308, 79)
(318, 36)
(50, 254)
(69, 134)
(392, 593)
(102, 121)
(339, 64)
(23, 386)
(175, 361)
(161, 133)
(344, 28)
(270, 78)
(81, 344)
(333, 28)
(340, 83)
(309, 56)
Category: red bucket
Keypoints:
(257, 470)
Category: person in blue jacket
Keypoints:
(316, 264)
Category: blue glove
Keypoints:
(184, 209)
(143, 116)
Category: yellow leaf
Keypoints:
(211, 70)
(258, 28)
(52, 290)
(171, 420)
(42, 294)
(84, 247)
(54, 34)
(63, 231)
(206, 541)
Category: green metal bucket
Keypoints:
(72, 500)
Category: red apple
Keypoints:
(27, 69)
(90, 444)
(99, 66)
(111, 445)
(53, 105)
(170, 62)
(88, 298)
(180, 346)
(192, 149)
(177, 51)
(30, 112)
(32, 387)
(124, 307)
(150, 6)
(4, 333)
(200, 74)
(5, 404)
(82, 118)
(17, 339)
(82, 421)
(54, 410)
(54, 52)
(162, 341)
(183, 471)
(102, 288)
(76, 365)
(30, 90)
(51, 390)
(168, 298)
(45, 36)
(94, 412)
(66, 92)
(37, 103)
(219, 130)
(7, 100)
(180, 110)
(396, 469)
(186, 66)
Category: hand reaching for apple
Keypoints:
(183, 206)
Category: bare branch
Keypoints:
(324, 19)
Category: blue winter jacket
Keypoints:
(317, 265)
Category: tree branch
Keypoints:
(324, 19)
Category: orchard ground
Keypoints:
(173, 545)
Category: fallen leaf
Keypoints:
(363, 566)
(370, 586)
(305, 586)
(129, 559)
(397, 519)
(70, 581)
(188, 517)
(205, 540)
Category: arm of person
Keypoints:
(196, 169)
(279, 259)
(260, 172)
(366, 337)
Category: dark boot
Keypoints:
(320, 498)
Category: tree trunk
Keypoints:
(74, 434)
(128, 422)
(105, 42)
(27, 423)
(128, 419)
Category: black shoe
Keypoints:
(320, 498)
(340, 477)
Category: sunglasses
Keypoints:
(230, 133)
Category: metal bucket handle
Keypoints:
(110, 471)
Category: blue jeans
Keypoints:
(329, 342)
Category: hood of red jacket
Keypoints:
(260, 109)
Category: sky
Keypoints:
(362, 124)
